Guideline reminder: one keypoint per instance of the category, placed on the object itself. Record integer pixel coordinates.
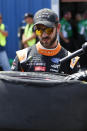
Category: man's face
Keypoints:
(47, 40)
(69, 15)
(28, 20)
(78, 17)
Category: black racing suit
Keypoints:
(35, 62)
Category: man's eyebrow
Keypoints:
(41, 27)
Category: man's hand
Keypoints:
(26, 45)
(25, 40)
(5, 33)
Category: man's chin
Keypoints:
(46, 45)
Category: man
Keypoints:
(78, 31)
(80, 24)
(66, 31)
(4, 64)
(85, 25)
(82, 37)
(29, 36)
(45, 55)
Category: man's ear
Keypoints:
(58, 27)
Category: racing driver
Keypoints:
(44, 56)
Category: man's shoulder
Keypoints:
(63, 21)
(23, 54)
(64, 52)
(5, 26)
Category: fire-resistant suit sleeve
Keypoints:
(16, 65)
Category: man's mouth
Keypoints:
(45, 39)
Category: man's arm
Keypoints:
(16, 65)
(25, 40)
(5, 33)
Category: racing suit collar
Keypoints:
(48, 52)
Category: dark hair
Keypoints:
(66, 12)
(28, 15)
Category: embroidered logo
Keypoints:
(55, 60)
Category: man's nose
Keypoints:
(44, 34)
